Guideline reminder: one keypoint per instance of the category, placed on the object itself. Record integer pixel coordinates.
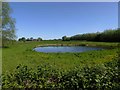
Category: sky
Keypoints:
(119, 14)
(52, 20)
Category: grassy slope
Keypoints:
(21, 53)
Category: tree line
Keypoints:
(105, 36)
(29, 39)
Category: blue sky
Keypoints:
(53, 20)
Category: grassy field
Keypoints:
(22, 53)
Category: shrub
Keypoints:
(99, 77)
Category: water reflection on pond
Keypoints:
(57, 49)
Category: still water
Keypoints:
(56, 49)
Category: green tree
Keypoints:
(8, 25)
(22, 39)
(39, 39)
(64, 38)
(31, 39)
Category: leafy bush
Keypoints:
(100, 77)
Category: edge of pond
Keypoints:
(87, 45)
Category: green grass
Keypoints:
(22, 53)
(0, 61)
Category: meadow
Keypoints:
(22, 53)
(22, 67)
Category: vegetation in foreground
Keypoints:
(100, 77)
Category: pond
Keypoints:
(57, 49)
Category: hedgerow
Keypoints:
(98, 77)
